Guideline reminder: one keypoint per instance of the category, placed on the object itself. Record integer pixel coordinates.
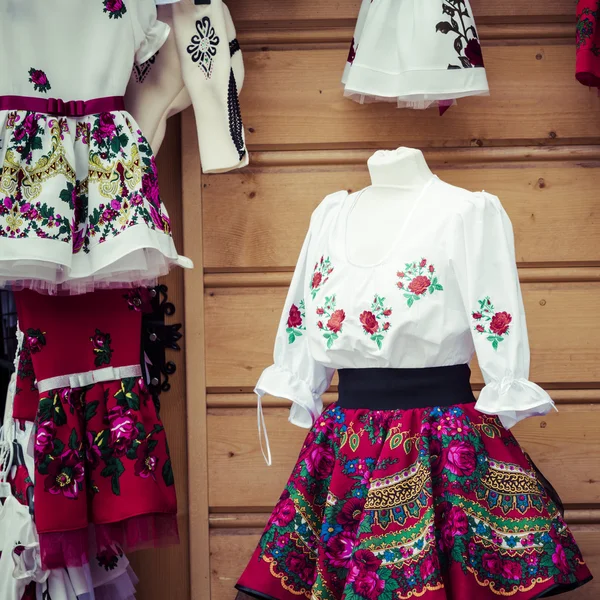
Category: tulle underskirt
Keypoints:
(71, 548)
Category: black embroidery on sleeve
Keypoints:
(236, 127)
(234, 46)
(203, 46)
(140, 72)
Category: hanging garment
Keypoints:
(417, 54)
(407, 486)
(100, 451)
(588, 43)
(201, 64)
(80, 207)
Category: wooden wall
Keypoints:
(535, 142)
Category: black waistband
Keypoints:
(391, 389)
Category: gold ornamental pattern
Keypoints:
(405, 487)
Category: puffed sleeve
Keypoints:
(295, 375)
(483, 259)
(150, 33)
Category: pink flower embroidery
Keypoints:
(39, 80)
(321, 273)
(295, 322)
(375, 322)
(335, 320)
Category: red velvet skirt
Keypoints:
(100, 450)
(436, 502)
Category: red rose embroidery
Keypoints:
(369, 322)
(375, 321)
(417, 279)
(336, 320)
(473, 53)
(295, 322)
(316, 280)
(419, 285)
(495, 324)
(295, 318)
(322, 271)
(500, 323)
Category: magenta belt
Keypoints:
(60, 108)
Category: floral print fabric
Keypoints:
(588, 42)
(434, 503)
(78, 182)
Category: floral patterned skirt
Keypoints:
(100, 451)
(437, 502)
(588, 42)
(80, 207)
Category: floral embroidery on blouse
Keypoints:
(321, 273)
(466, 43)
(417, 279)
(115, 8)
(375, 322)
(203, 46)
(39, 80)
(494, 324)
(295, 322)
(334, 320)
(101, 343)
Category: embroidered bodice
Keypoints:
(75, 50)
(447, 288)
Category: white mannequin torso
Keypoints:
(398, 178)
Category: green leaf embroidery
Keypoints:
(90, 410)
(354, 440)
(167, 473)
(73, 443)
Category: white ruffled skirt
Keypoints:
(417, 54)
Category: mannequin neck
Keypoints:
(403, 168)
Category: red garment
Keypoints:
(588, 42)
(101, 454)
(437, 503)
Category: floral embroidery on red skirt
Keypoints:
(331, 320)
(495, 325)
(391, 505)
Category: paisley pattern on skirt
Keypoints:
(437, 502)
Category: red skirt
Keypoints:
(588, 42)
(100, 450)
(436, 502)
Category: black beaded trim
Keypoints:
(234, 46)
(236, 127)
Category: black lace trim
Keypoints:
(234, 46)
(236, 127)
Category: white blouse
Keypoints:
(449, 287)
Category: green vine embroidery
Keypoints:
(295, 322)
(101, 343)
(322, 271)
(375, 322)
(417, 279)
(334, 320)
(494, 324)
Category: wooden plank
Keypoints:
(565, 342)
(196, 379)
(165, 571)
(231, 550)
(294, 100)
(564, 445)
(253, 14)
(250, 225)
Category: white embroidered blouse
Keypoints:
(448, 288)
